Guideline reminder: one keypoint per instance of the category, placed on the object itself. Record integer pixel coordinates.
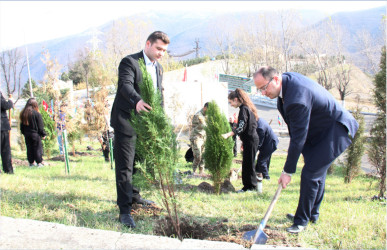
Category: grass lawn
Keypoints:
(349, 219)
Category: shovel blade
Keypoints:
(260, 234)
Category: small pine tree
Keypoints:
(49, 127)
(377, 150)
(218, 152)
(356, 150)
(156, 146)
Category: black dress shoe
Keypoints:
(143, 202)
(267, 177)
(295, 229)
(127, 220)
(291, 217)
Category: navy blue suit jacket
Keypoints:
(268, 140)
(128, 92)
(315, 122)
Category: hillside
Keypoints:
(360, 84)
(183, 29)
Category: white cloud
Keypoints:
(23, 22)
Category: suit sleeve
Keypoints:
(298, 118)
(126, 74)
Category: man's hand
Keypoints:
(142, 106)
(284, 180)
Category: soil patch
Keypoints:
(18, 162)
(58, 158)
(150, 210)
(80, 154)
(190, 228)
(206, 187)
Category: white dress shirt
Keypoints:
(151, 68)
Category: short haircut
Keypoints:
(206, 105)
(267, 72)
(158, 35)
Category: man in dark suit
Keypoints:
(5, 128)
(319, 128)
(127, 99)
(268, 142)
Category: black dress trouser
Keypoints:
(123, 153)
(34, 148)
(249, 178)
(6, 152)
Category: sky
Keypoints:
(25, 22)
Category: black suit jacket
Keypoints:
(128, 92)
(5, 105)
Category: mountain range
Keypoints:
(184, 27)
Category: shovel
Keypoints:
(258, 236)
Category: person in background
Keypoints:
(31, 126)
(128, 99)
(107, 134)
(198, 138)
(247, 132)
(6, 158)
(61, 125)
(268, 142)
(319, 128)
(233, 121)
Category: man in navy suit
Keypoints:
(268, 142)
(127, 99)
(319, 128)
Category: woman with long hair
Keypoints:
(31, 126)
(246, 129)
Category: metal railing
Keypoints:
(263, 101)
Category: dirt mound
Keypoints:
(80, 154)
(206, 187)
(18, 162)
(58, 158)
(227, 187)
(151, 210)
(190, 228)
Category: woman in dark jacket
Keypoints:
(31, 126)
(246, 129)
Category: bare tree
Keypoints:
(50, 83)
(12, 64)
(289, 20)
(342, 80)
(315, 43)
(369, 50)
(125, 37)
(222, 41)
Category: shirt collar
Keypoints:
(147, 60)
(280, 94)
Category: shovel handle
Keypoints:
(271, 206)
